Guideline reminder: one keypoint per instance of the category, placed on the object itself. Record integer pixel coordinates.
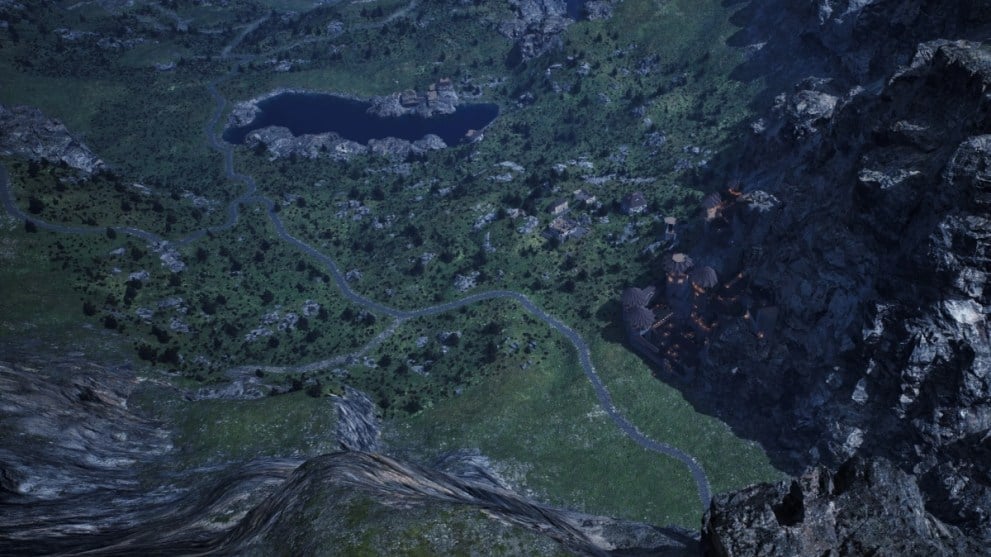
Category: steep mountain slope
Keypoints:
(877, 256)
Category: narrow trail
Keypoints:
(249, 195)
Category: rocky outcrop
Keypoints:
(877, 262)
(391, 148)
(280, 143)
(439, 98)
(76, 462)
(244, 112)
(357, 423)
(865, 508)
(429, 142)
(26, 132)
(856, 42)
(536, 27)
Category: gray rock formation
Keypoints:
(280, 143)
(536, 27)
(865, 508)
(26, 132)
(429, 142)
(854, 41)
(76, 461)
(357, 424)
(876, 259)
(243, 113)
(439, 98)
(391, 148)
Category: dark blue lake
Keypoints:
(312, 113)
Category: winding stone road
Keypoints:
(249, 196)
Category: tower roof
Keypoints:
(636, 297)
(640, 317)
(704, 277)
(678, 263)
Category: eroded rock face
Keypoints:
(26, 132)
(391, 148)
(877, 259)
(357, 423)
(865, 508)
(80, 469)
(857, 41)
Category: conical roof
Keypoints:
(704, 277)
(630, 297)
(637, 297)
(640, 317)
(678, 263)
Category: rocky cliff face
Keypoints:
(864, 508)
(877, 257)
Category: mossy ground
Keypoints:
(335, 521)
(532, 410)
(221, 431)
